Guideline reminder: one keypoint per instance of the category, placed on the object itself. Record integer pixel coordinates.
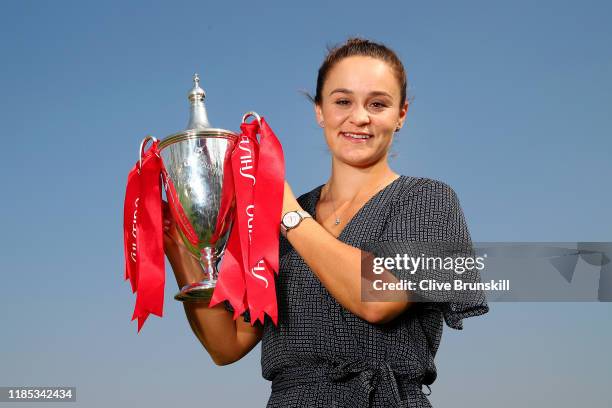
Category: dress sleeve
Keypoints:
(427, 222)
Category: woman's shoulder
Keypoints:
(424, 187)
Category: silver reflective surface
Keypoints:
(195, 163)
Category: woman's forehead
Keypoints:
(361, 75)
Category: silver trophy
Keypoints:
(196, 161)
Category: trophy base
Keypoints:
(197, 292)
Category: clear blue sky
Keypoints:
(511, 108)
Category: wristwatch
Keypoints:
(291, 220)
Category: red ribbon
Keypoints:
(143, 239)
(255, 176)
(246, 278)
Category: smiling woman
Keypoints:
(362, 108)
(330, 348)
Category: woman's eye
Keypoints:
(342, 102)
(379, 105)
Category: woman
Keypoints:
(329, 348)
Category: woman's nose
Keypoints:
(360, 116)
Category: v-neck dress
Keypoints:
(322, 355)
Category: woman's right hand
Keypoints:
(170, 231)
(171, 235)
(184, 264)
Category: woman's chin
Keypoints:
(360, 160)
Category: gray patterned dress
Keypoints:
(322, 355)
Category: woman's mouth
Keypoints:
(356, 137)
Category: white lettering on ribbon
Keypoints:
(134, 219)
(246, 160)
(250, 214)
(260, 267)
(246, 163)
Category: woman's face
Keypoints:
(360, 110)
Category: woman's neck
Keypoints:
(347, 182)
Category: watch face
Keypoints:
(291, 219)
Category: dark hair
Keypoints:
(355, 46)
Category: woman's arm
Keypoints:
(226, 340)
(338, 267)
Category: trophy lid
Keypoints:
(198, 125)
(198, 118)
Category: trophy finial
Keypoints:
(198, 119)
(196, 92)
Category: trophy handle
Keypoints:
(143, 144)
(254, 114)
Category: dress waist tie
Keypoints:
(373, 377)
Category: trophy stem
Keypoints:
(202, 291)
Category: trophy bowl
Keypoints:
(195, 162)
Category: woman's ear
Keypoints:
(403, 112)
(319, 114)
